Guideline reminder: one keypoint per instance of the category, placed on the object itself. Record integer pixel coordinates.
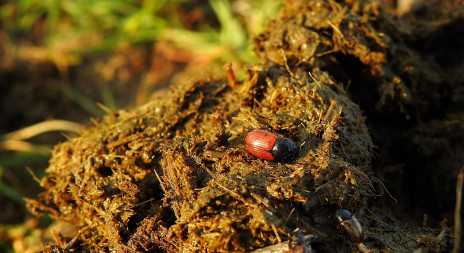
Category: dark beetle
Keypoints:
(351, 225)
(268, 146)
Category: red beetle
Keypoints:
(268, 146)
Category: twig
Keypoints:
(230, 75)
(457, 212)
(314, 79)
(33, 175)
(285, 61)
(73, 241)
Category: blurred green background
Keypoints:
(64, 62)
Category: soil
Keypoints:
(373, 99)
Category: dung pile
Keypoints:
(174, 175)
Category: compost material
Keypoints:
(336, 77)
